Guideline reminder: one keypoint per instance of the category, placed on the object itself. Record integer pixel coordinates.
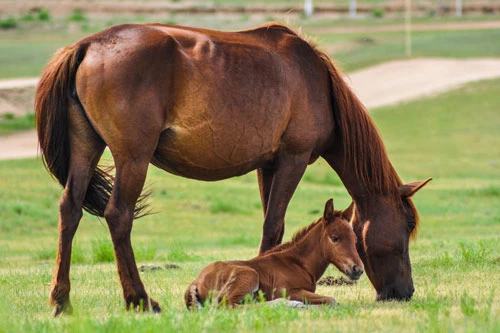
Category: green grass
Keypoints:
(456, 262)
(10, 123)
(353, 51)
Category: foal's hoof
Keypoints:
(64, 308)
(155, 306)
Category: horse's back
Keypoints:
(215, 104)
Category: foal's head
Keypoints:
(338, 242)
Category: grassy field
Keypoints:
(456, 264)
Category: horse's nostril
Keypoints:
(356, 269)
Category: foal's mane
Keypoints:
(299, 235)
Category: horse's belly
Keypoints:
(212, 155)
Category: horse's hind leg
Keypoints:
(119, 214)
(86, 149)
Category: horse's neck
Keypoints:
(365, 198)
(306, 252)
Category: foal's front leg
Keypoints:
(308, 297)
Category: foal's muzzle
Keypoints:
(355, 272)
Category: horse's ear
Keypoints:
(408, 190)
(349, 211)
(329, 211)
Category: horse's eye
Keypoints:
(335, 239)
(411, 225)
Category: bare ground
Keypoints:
(386, 84)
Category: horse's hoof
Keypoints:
(64, 308)
(141, 306)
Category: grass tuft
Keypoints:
(102, 251)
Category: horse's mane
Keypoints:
(299, 235)
(363, 149)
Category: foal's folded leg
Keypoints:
(243, 281)
(308, 297)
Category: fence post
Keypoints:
(352, 9)
(308, 7)
(458, 7)
(408, 27)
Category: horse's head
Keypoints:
(384, 230)
(339, 243)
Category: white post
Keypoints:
(458, 6)
(408, 27)
(352, 9)
(308, 8)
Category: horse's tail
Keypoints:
(192, 298)
(55, 91)
(363, 148)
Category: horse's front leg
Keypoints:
(277, 191)
(119, 214)
(308, 297)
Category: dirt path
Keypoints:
(386, 84)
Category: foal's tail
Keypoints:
(363, 148)
(55, 91)
(192, 298)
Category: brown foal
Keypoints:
(291, 269)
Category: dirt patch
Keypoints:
(17, 101)
(334, 281)
(152, 268)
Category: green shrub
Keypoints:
(378, 12)
(43, 14)
(9, 23)
(78, 15)
(8, 116)
(27, 18)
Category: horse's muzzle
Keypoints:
(396, 294)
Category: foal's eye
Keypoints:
(335, 239)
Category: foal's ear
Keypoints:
(329, 211)
(349, 211)
(407, 190)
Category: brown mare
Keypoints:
(211, 105)
(292, 268)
